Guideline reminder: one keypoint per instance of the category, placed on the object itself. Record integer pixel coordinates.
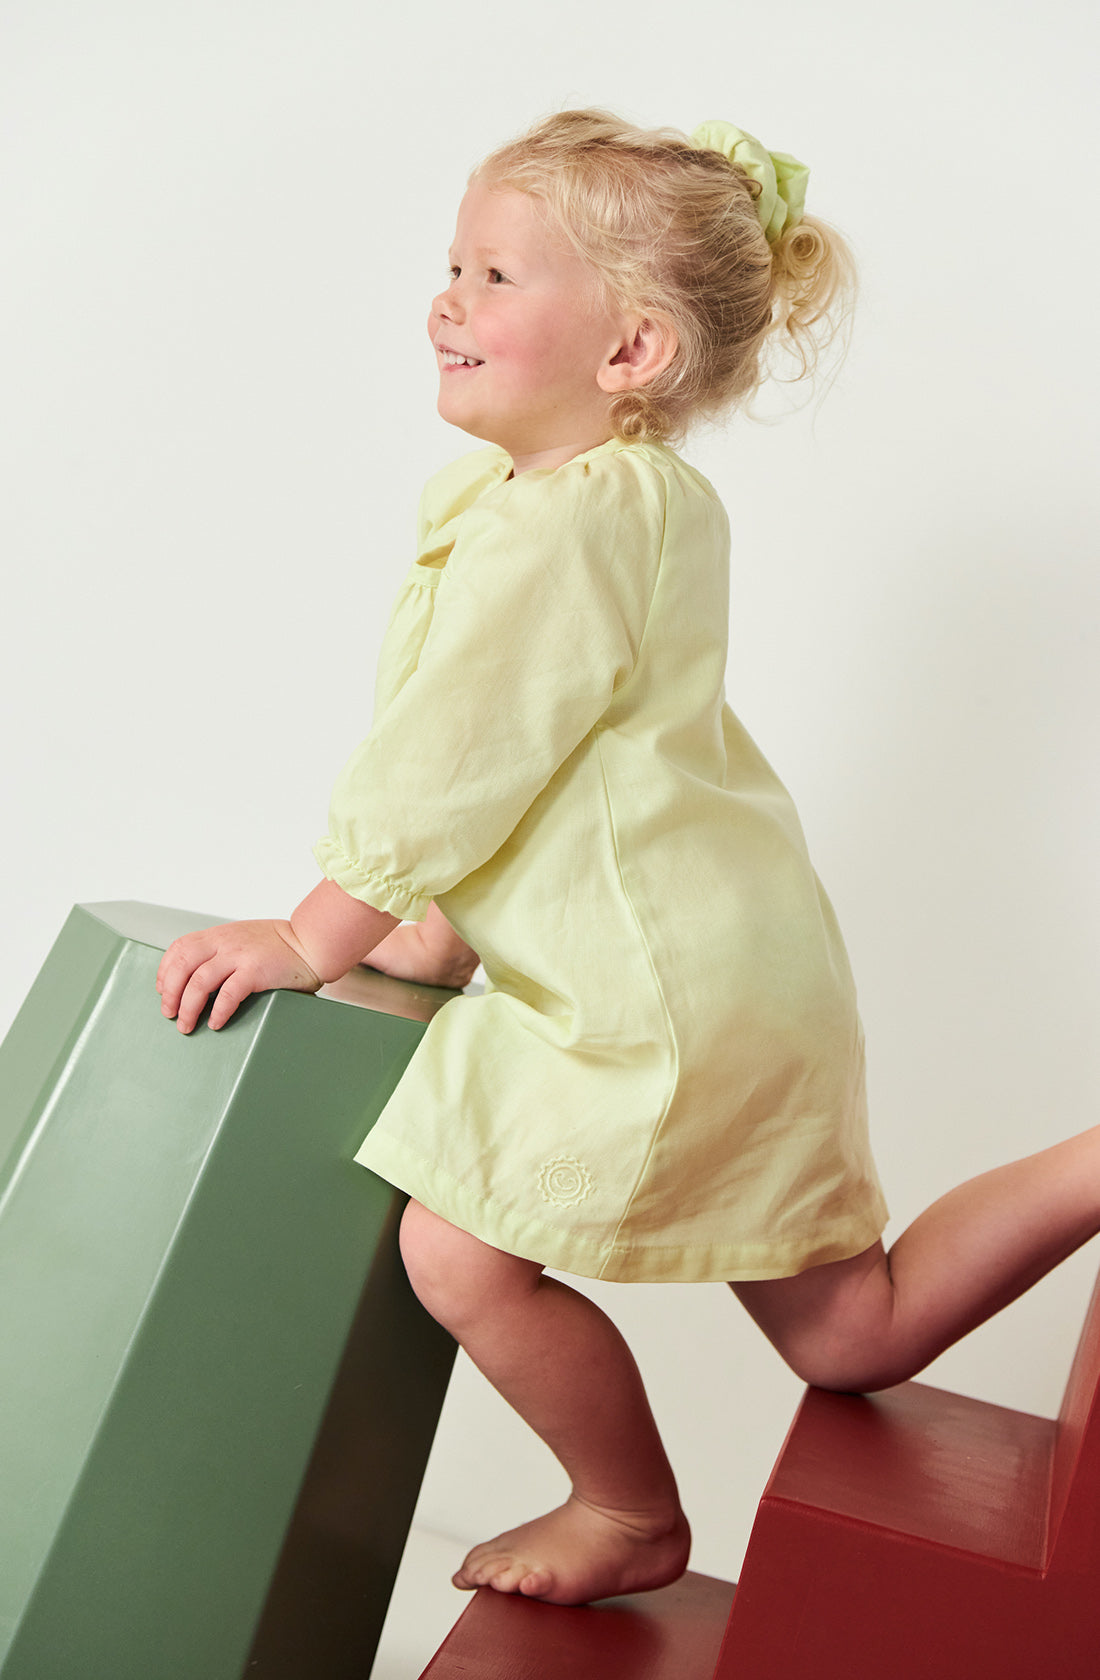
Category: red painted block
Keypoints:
(917, 1533)
(671, 1634)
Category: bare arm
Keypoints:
(429, 951)
(333, 931)
(326, 935)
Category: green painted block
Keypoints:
(218, 1392)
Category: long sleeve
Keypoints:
(539, 612)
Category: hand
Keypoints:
(429, 951)
(233, 961)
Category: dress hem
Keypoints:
(611, 1262)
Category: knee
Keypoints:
(426, 1250)
(854, 1370)
(845, 1353)
(454, 1275)
(837, 1325)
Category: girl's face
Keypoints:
(522, 334)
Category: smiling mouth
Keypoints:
(451, 358)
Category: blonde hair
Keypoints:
(672, 229)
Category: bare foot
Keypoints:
(580, 1552)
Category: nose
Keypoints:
(448, 305)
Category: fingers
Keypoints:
(231, 994)
(211, 978)
(183, 958)
(190, 972)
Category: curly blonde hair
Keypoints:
(672, 229)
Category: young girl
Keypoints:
(664, 1078)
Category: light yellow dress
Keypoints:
(664, 1078)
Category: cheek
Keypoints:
(535, 357)
(519, 342)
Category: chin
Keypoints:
(470, 425)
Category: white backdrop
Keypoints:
(222, 224)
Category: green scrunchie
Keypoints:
(782, 178)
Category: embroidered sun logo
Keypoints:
(564, 1181)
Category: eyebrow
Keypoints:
(490, 254)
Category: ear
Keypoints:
(647, 347)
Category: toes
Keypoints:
(466, 1575)
(504, 1573)
(484, 1569)
(505, 1576)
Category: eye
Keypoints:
(454, 271)
(496, 278)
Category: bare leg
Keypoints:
(875, 1320)
(561, 1363)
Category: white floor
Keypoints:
(424, 1606)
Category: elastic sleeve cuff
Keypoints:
(376, 890)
